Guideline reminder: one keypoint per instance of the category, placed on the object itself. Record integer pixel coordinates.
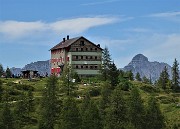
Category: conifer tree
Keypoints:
(50, 106)
(154, 117)
(164, 79)
(21, 111)
(1, 70)
(145, 80)
(90, 114)
(7, 117)
(106, 61)
(8, 73)
(130, 75)
(66, 84)
(1, 91)
(138, 76)
(113, 75)
(30, 102)
(136, 109)
(116, 117)
(70, 116)
(104, 100)
(175, 75)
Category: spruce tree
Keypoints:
(145, 80)
(138, 76)
(164, 79)
(7, 117)
(1, 91)
(106, 61)
(113, 75)
(70, 116)
(8, 73)
(90, 114)
(1, 70)
(154, 117)
(175, 75)
(50, 106)
(130, 75)
(30, 102)
(104, 100)
(20, 111)
(67, 86)
(116, 116)
(136, 109)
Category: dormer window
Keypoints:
(82, 43)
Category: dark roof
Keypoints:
(67, 43)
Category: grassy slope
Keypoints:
(168, 101)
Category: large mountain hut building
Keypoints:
(83, 55)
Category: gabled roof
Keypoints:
(67, 43)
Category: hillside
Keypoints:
(169, 101)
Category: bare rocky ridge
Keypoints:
(42, 67)
(141, 64)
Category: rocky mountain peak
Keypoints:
(140, 64)
(140, 57)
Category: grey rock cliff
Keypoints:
(42, 67)
(146, 68)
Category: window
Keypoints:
(96, 57)
(95, 49)
(91, 48)
(90, 57)
(81, 66)
(91, 67)
(82, 43)
(76, 57)
(77, 67)
(81, 49)
(76, 49)
(95, 67)
(86, 49)
(86, 66)
(86, 57)
(81, 57)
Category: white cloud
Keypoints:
(17, 29)
(79, 25)
(171, 16)
(138, 30)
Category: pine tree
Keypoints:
(90, 114)
(116, 117)
(1, 70)
(67, 85)
(106, 61)
(7, 117)
(70, 117)
(130, 75)
(136, 109)
(30, 102)
(164, 79)
(8, 73)
(1, 90)
(145, 80)
(21, 111)
(175, 75)
(50, 106)
(138, 76)
(113, 75)
(154, 117)
(104, 100)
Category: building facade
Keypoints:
(83, 56)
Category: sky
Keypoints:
(29, 28)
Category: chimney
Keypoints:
(64, 39)
(67, 37)
(98, 45)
